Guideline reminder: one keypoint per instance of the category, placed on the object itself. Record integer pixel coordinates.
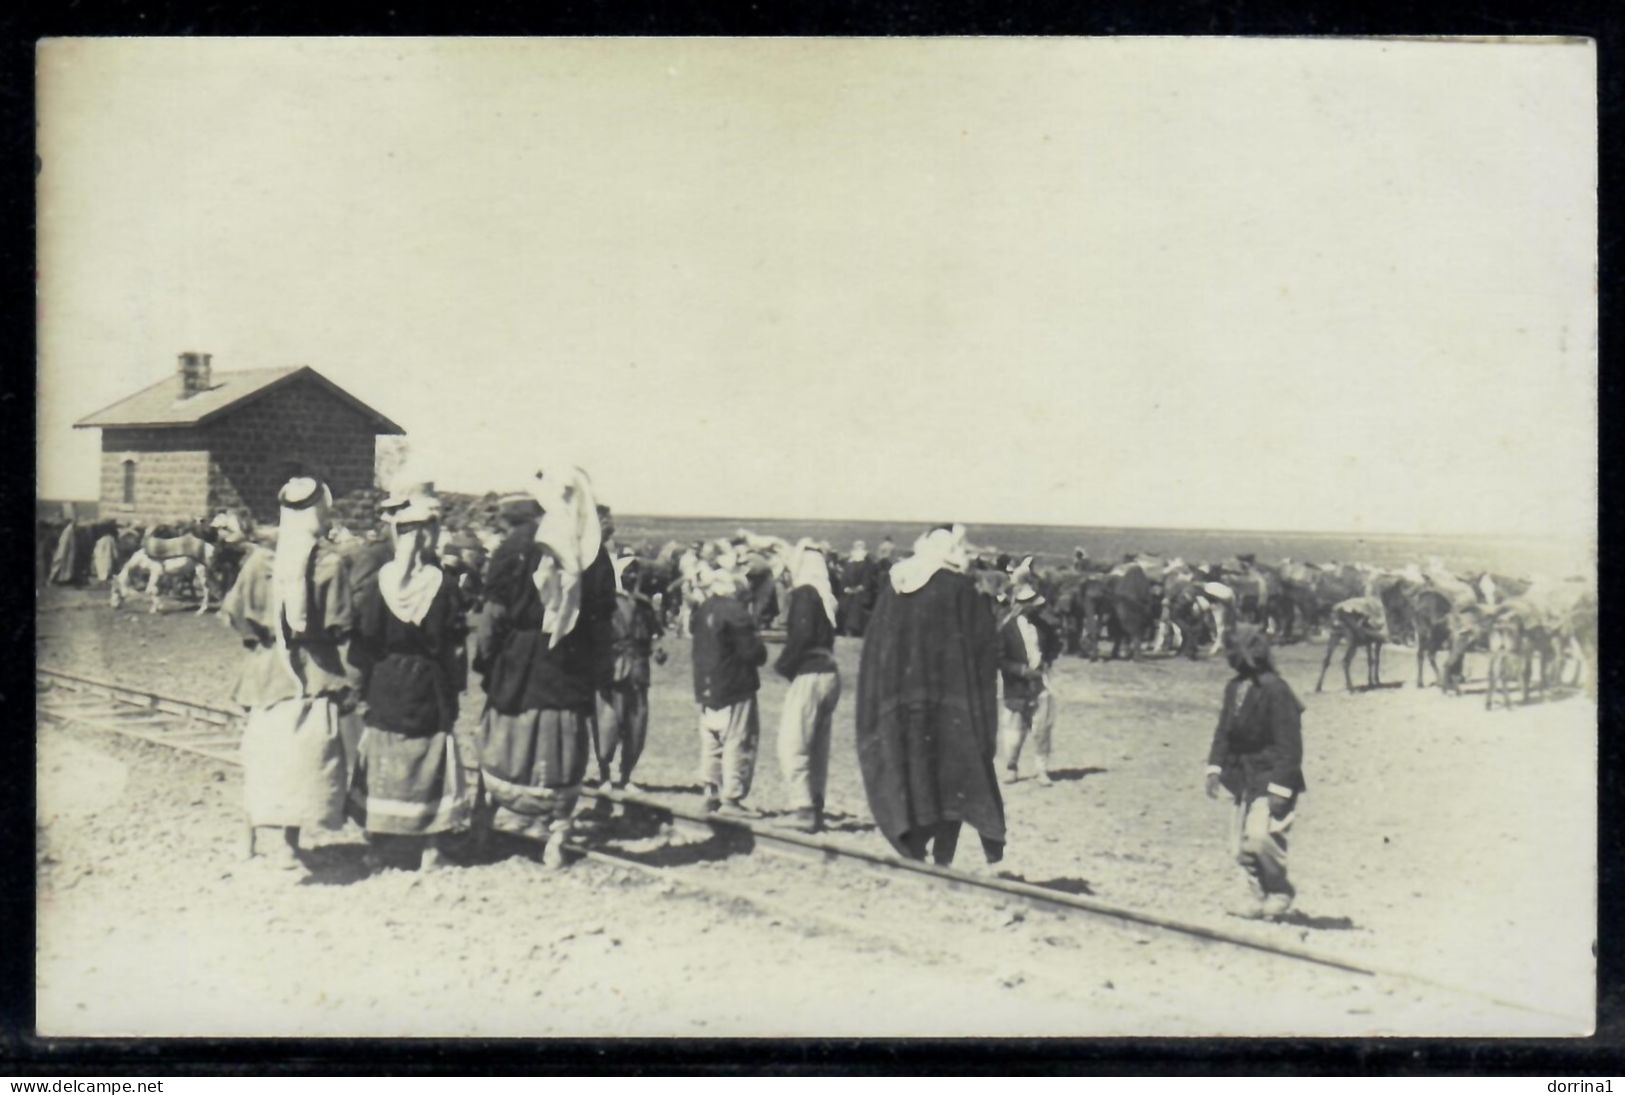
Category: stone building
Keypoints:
(199, 441)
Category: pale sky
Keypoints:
(1320, 285)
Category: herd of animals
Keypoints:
(1539, 633)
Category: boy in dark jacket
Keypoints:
(727, 652)
(1257, 756)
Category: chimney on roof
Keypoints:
(194, 374)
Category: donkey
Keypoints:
(1354, 622)
(1519, 633)
(191, 557)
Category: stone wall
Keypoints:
(298, 428)
(171, 475)
(242, 459)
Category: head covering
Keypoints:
(410, 503)
(1249, 650)
(518, 508)
(409, 581)
(303, 492)
(1026, 594)
(860, 551)
(886, 548)
(621, 563)
(570, 533)
(943, 548)
(304, 504)
(721, 582)
(808, 567)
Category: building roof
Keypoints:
(160, 405)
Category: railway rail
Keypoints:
(215, 734)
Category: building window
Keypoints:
(129, 482)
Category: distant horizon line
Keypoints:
(629, 515)
(1387, 535)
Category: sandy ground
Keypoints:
(1435, 839)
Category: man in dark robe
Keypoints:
(927, 710)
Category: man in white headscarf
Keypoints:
(808, 663)
(293, 608)
(546, 650)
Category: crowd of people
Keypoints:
(359, 649)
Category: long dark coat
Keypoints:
(927, 709)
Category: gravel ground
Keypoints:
(1435, 838)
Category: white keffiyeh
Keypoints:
(939, 549)
(298, 533)
(809, 568)
(570, 533)
(407, 582)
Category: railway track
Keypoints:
(215, 734)
(179, 724)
